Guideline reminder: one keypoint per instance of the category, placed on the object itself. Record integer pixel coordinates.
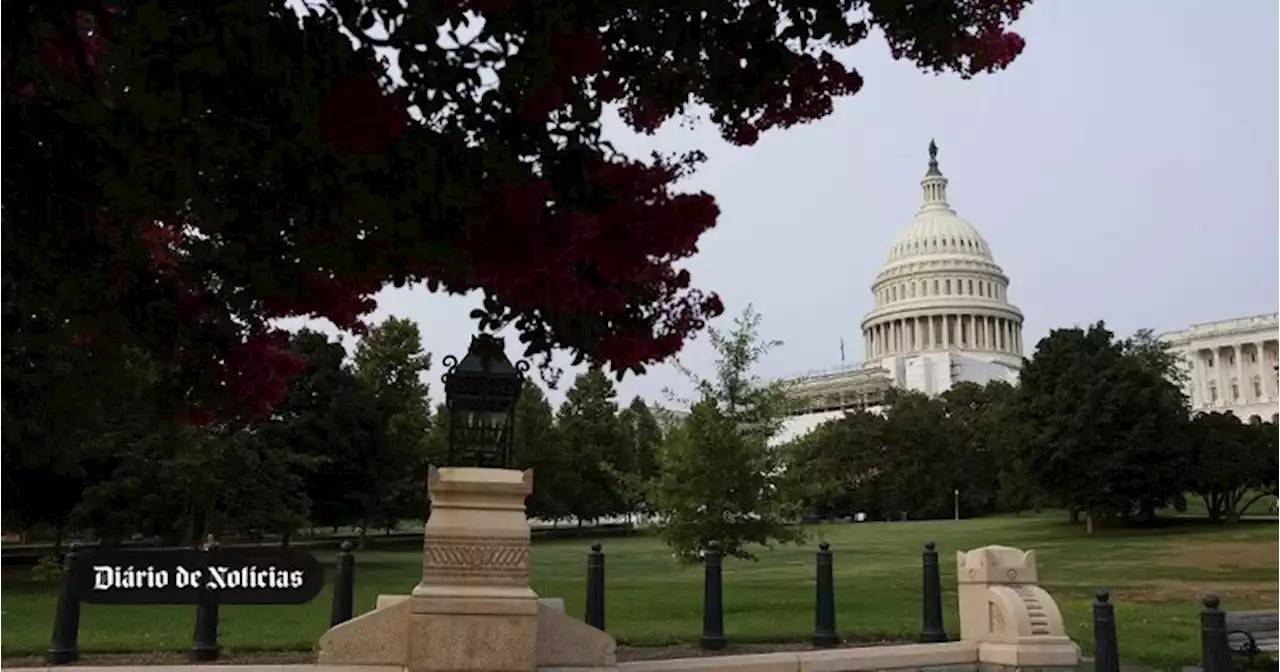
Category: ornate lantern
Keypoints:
(481, 392)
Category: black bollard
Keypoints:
(595, 587)
(1106, 651)
(931, 628)
(344, 586)
(204, 643)
(824, 615)
(712, 600)
(65, 647)
(1215, 655)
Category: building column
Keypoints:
(1245, 393)
(1266, 374)
(1217, 376)
(928, 332)
(946, 332)
(1203, 356)
(1017, 338)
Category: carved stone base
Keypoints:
(1014, 622)
(473, 611)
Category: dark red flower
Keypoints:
(358, 117)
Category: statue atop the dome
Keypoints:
(933, 158)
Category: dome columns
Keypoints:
(933, 332)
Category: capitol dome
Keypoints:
(941, 290)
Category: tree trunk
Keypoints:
(1088, 523)
(1146, 511)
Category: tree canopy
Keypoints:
(209, 166)
(720, 480)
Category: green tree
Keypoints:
(986, 433)
(333, 419)
(391, 362)
(54, 416)
(1235, 463)
(588, 423)
(720, 478)
(437, 448)
(1106, 423)
(922, 469)
(537, 445)
(640, 437)
(839, 468)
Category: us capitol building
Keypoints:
(941, 316)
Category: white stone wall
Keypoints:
(1231, 365)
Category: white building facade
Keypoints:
(1231, 365)
(941, 315)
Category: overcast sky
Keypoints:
(1124, 169)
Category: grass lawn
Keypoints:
(1157, 577)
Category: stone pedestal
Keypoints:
(474, 609)
(1015, 623)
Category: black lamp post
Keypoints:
(481, 392)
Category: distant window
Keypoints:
(971, 288)
(1208, 362)
(893, 293)
(982, 290)
(947, 288)
(1213, 393)
(935, 287)
(1253, 357)
(1235, 392)
(1257, 388)
(1231, 360)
